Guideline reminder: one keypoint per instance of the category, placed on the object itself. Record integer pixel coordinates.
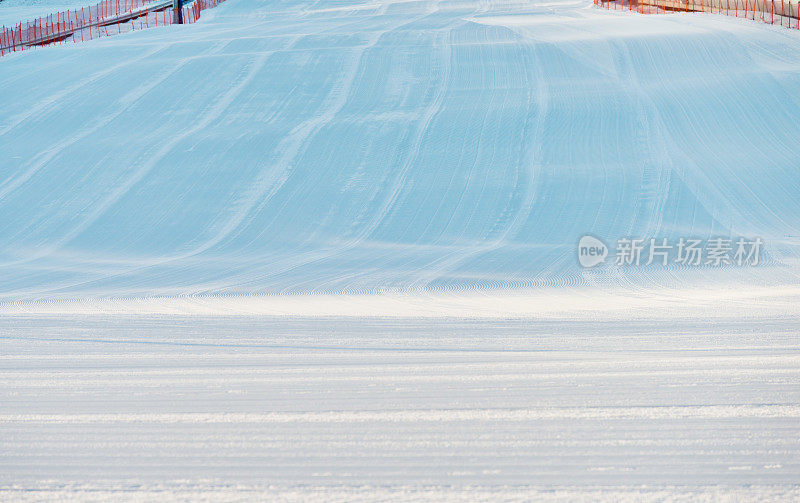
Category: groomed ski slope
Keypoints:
(327, 250)
(216, 408)
(395, 147)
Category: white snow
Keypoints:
(327, 250)
(276, 150)
(224, 407)
(14, 12)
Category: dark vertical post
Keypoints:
(177, 10)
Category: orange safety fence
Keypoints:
(779, 12)
(109, 17)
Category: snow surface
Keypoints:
(14, 12)
(300, 148)
(366, 408)
(327, 250)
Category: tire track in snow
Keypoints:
(114, 195)
(263, 189)
(54, 99)
(271, 182)
(539, 97)
(430, 112)
(127, 100)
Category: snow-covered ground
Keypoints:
(14, 12)
(329, 249)
(295, 408)
(302, 148)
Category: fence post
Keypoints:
(177, 10)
